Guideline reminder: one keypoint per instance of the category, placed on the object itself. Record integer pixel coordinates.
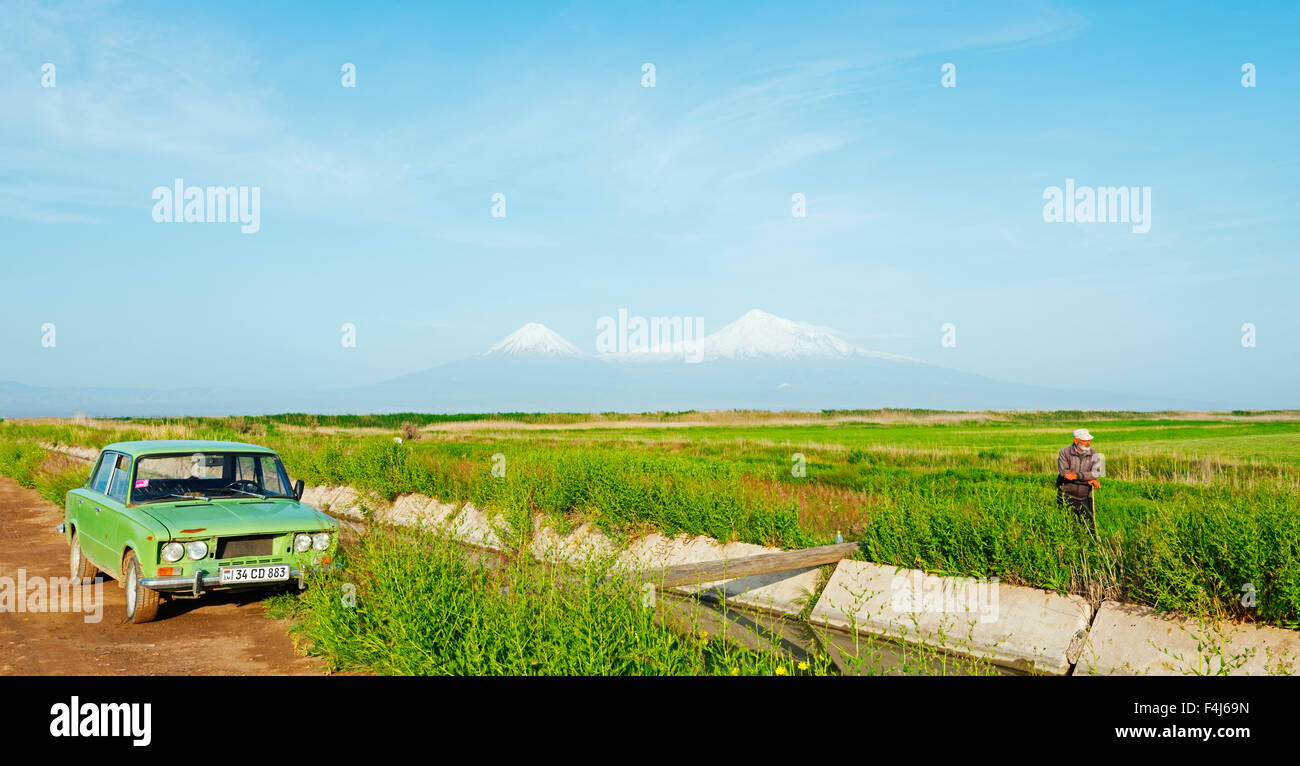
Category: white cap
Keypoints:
(1082, 435)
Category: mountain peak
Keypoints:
(534, 338)
(759, 334)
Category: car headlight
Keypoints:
(173, 551)
(320, 541)
(196, 549)
(301, 542)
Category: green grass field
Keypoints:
(1193, 509)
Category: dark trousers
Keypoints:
(1076, 497)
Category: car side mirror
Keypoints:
(297, 489)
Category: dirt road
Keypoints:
(217, 635)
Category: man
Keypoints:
(1076, 478)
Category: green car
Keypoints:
(177, 519)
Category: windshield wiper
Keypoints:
(250, 494)
(204, 498)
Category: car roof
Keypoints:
(164, 446)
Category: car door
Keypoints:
(112, 516)
(89, 502)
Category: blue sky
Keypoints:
(924, 203)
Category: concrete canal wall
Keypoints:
(1128, 639)
(1011, 626)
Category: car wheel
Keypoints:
(82, 570)
(141, 602)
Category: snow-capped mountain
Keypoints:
(534, 339)
(758, 335)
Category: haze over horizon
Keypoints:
(924, 204)
(757, 362)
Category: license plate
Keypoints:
(237, 575)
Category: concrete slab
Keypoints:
(414, 510)
(87, 454)
(658, 550)
(1127, 639)
(782, 592)
(1011, 626)
(326, 495)
(475, 527)
(646, 552)
(582, 544)
(547, 544)
(311, 495)
(344, 501)
(406, 510)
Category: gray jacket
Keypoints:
(1083, 464)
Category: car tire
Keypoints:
(141, 602)
(82, 570)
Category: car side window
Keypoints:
(273, 478)
(100, 481)
(90, 480)
(121, 479)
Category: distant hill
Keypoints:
(759, 361)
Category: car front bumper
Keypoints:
(206, 580)
(202, 581)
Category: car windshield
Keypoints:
(208, 475)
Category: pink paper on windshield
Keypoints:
(142, 483)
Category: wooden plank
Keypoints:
(762, 563)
